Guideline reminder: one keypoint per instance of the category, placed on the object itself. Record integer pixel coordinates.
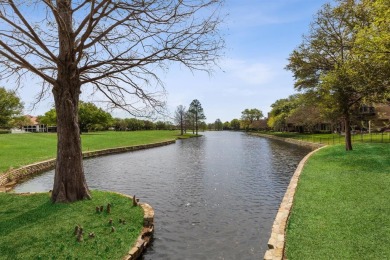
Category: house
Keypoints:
(374, 117)
(381, 121)
(32, 125)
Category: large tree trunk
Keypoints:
(348, 141)
(69, 180)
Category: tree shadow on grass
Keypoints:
(19, 218)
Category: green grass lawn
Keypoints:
(31, 227)
(332, 139)
(341, 207)
(21, 149)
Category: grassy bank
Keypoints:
(332, 139)
(341, 208)
(31, 227)
(21, 149)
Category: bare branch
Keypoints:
(117, 47)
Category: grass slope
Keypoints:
(341, 207)
(22, 149)
(31, 227)
(332, 139)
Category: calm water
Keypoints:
(215, 197)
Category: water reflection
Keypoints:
(215, 197)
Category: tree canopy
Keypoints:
(218, 125)
(248, 116)
(195, 111)
(49, 118)
(91, 116)
(235, 124)
(10, 107)
(330, 63)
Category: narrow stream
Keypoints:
(215, 197)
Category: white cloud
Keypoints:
(251, 73)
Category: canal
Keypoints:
(215, 197)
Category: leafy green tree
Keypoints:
(280, 111)
(235, 124)
(148, 125)
(20, 121)
(305, 117)
(119, 124)
(161, 125)
(226, 125)
(49, 118)
(218, 125)
(197, 114)
(373, 48)
(91, 116)
(133, 124)
(202, 126)
(328, 61)
(249, 115)
(10, 107)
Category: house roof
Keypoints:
(382, 111)
(33, 119)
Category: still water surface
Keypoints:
(215, 197)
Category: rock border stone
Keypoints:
(10, 178)
(291, 141)
(276, 243)
(145, 238)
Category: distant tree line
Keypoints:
(251, 120)
(93, 118)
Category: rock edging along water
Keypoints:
(10, 178)
(145, 238)
(276, 243)
(291, 141)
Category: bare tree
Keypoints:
(180, 115)
(112, 47)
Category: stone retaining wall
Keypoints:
(313, 146)
(12, 177)
(143, 241)
(145, 238)
(277, 240)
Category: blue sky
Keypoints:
(260, 35)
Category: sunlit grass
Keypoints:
(31, 227)
(21, 149)
(341, 207)
(332, 139)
